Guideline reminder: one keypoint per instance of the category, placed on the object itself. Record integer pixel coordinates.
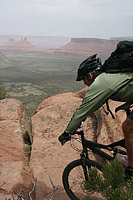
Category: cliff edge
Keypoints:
(48, 158)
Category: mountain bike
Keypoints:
(77, 172)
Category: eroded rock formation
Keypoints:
(22, 45)
(86, 47)
(15, 173)
(48, 157)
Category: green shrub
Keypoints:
(28, 150)
(2, 93)
(110, 184)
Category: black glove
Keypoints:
(64, 137)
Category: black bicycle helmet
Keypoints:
(91, 64)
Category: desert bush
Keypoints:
(110, 184)
(3, 93)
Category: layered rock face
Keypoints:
(86, 47)
(48, 157)
(15, 174)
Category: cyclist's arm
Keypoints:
(94, 98)
(103, 87)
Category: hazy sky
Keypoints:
(72, 18)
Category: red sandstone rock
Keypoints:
(48, 157)
(13, 164)
(86, 47)
(23, 45)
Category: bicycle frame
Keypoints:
(71, 179)
(96, 148)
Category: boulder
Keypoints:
(48, 157)
(14, 128)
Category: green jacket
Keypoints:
(102, 89)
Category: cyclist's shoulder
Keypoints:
(104, 80)
(113, 78)
(110, 82)
(115, 75)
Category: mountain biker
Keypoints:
(103, 86)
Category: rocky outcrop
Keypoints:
(86, 47)
(48, 157)
(43, 42)
(87, 40)
(23, 45)
(15, 173)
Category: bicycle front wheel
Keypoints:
(73, 178)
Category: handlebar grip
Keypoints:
(63, 139)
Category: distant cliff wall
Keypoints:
(87, 40)
(86, 47)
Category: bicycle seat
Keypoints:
(118, 143)
(125, 106)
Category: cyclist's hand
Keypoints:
(64, 137)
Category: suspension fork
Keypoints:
(84, 166)
(84, 156)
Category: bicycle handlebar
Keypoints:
(78, 133)
(66, 137)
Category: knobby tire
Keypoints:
(73, 176)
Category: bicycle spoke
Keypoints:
(74, 179)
